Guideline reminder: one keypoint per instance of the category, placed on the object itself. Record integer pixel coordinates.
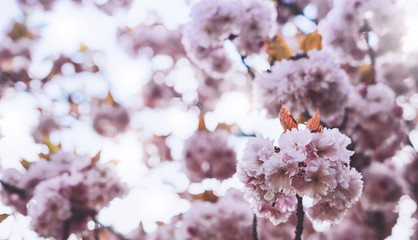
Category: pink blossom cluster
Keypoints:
(398, 72)
(375, 123)
(110, 120)
(152, 40)
(365, 224)
(229, 218)
(158, 95)
(208, 155)
(342, 27)
(61, 194)
(156, 151)
(392, 70)
(15, 54)
(382, 188)
(304, 163)
(108, 6)
(47, 124)
(410, 174)
(305, 84)
(247, 23)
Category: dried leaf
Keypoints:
(311, 41)
(3, 217)
(44, 156)
(82, 47)
(286, 119)
(367, 74)
(95, 158)
(207, 196)
(277, 49)
(52, 148)
(19, 31)
(314, 123)
(228, 127)
(25, 164)
(110, 100)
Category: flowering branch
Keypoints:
(254, 231)
(300, 214)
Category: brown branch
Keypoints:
(365, 30)
(300, 214)
(254, 229)
(110, 229)
(13, 189)
(231, 37)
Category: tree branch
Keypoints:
(13, 189)
(254, 229)
(300, 214)
(110, 229)
(365, 30)
(249, 70)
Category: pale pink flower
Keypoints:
(208, 155)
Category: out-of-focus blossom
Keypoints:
(61, 194)
(374, 124)
(152, 40)
(208, 155)
(305, 84)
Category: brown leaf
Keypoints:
(110, 100)
(207, 196)
(96, 158)
(314, 123)
(311, 41)
(3, 217)
(367, 74)
(202, 124)
(19, 31)
(25, 164)
(44, 156)
(286, 119)
(228, 127)
(277, 49)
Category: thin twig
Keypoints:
(110, 229)
(254, 231)
(300, 214)
(66, 229)
(299, 55)
(231, 37)
(365, 30)
(13, 189)
(249, 70)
